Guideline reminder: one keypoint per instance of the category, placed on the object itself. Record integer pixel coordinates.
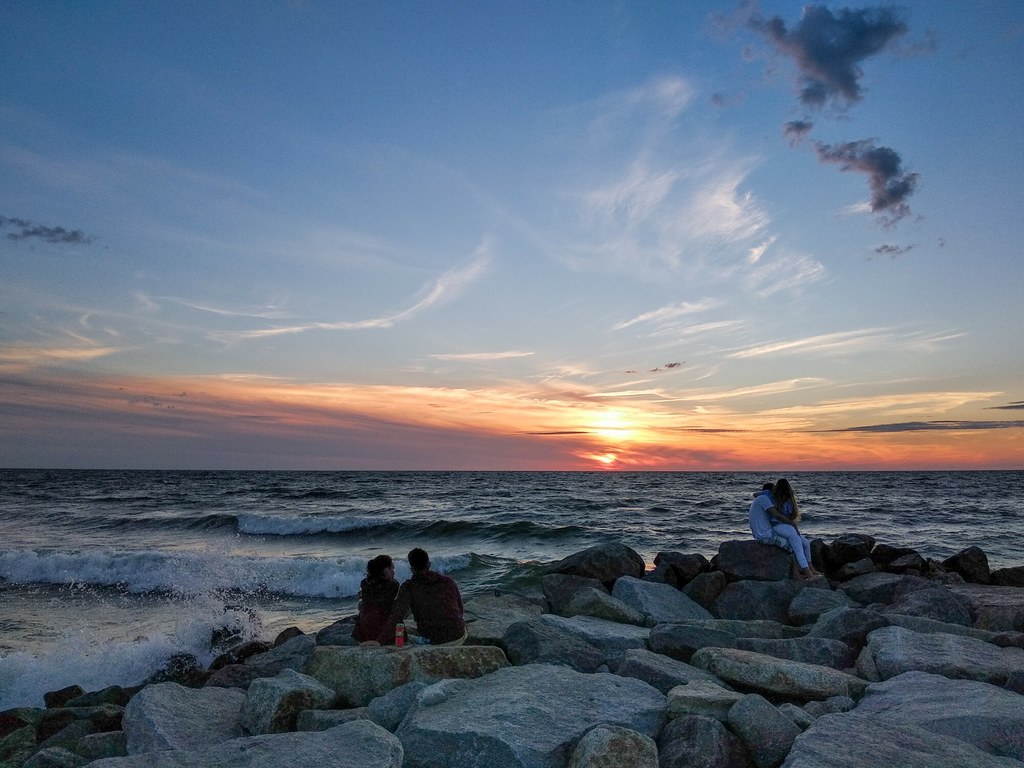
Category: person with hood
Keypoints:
(435, 602)
(377, 594)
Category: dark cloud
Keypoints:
(27, 230)
(1014, 406)
(829, 48)
(890, 184)
(934, 426)
(892, 250)
(665, 367)
(796, 130)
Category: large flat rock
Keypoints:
(891, 651)
(523, 717)
(760, 673)
(171, 716)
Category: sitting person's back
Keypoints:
(435, 602)
(377, 594)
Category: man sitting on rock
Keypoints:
(435, 602)
(764, 516)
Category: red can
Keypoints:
(399, 634)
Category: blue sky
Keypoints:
(511, 236)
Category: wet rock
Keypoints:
(559, 589)
(705, 588)
(849, 548)
(57, 699)
(682, 569)
(972, 564)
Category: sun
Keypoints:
(613, 427)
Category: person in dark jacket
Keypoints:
(377, 594)
(435, 602)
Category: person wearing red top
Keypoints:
(377, 594)
(435, 602)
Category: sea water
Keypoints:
(106, 574)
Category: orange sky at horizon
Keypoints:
(245, 417)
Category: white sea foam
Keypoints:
(276, 525)
(198, 573)
(185, 573)
(86, 657)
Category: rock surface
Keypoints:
(170, 716)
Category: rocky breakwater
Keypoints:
(888, 659)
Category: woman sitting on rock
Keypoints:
(377, 594)
(785, 502)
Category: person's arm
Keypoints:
(780, 516)
(398, 613)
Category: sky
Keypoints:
(557, 235)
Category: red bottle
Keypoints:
(399, 634)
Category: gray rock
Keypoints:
(389, 710)
(767, 733)
(338, 633)
(293, 654)
(702, 697)
(359, 675)
(809, 604)
(324, 719)
(488, 617)
(659, 670)
(599, 604)
(766, 600)
(999, 609)
(848, 625)
(979, 714)
(868, 742)
(536, 641)
(1009, 577)
(611, 638)
(811, 650)
(232, 676)
(971, 563)
(272, 704)
(911, 562)
(604, 562)
(170, 716)
(54, 757)
(880, 587)
(527, 717)
(849, 548)
(683, 568)
(681, 641)
(657, 603)
(747, 559)
(829, 706)
(938, 603)
(894, 650)
(705, 588)
(610, 746)
(358, 744)
(800, 716)
(692, 741)
(99, 745)
(857, 568)
(922, 624)
(769, 676)
(559, 588)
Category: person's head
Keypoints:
(768, 487)
(377, 568)
(419, 560)
(783, 490)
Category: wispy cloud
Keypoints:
(445, 288)
(483, 356)
(933, 426)
(825, 343)
(22, 357)
(668, 313)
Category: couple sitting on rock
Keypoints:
(433, 598)
(773, 517)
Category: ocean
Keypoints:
(106, 574)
